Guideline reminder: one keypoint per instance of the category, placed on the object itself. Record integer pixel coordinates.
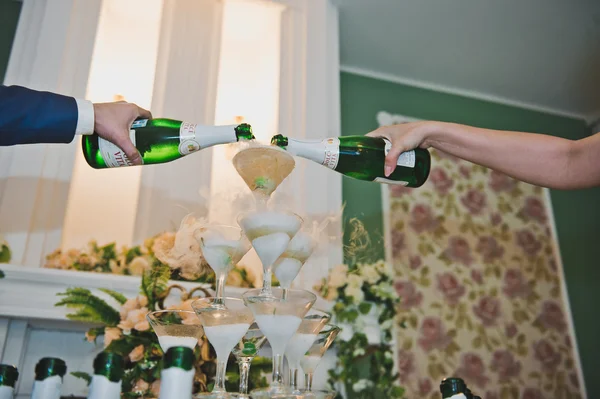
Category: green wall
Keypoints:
(577, 213)
(9, 17)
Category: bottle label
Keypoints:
(139, 123)
(113, 156)
(406, 159)
(390, 181)
(102, 388)
(332, 152)
(188, 142)
(176, 383)
(6, 392)
(48, 388)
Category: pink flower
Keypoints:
(397, 243)
(422, 218)
(155, 388)
(545, 353)
(137, 353)
(515, 285)
(534, 210)
(528, 243)
(552, 316)
(90, 336)
(433, 334)
(472, 369)
(140, 386)
(450, 288)
(425, 387)
(406, 363)
(500, 182)
(398, 190)
(510, 330)
(487, 310)
(111, 334)
(495, 219)
(474, 201)
(488, 247)
(531, 393)
(574, 379)
(415, 262)
(477, 276)
(409, 296)
(441, 181)
(458, 250)
(465, 171)
(505, 365)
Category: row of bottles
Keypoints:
(177, 376)
(165, 140)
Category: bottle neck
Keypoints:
(8, 375)
(109, 365)
(193, 137)
(50, 367)
(325, 152)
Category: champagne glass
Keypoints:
(302, 340)
(313, 356)
(270, 233)
(222, 247)
(175, 328)
(288, 265)
(225, 321)
(244, 352)
(278, 319)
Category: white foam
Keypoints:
(286, 270)
(309, 363)
(266, 222)
(221, 253)
(278, 329)
(170, 341)
(270, 247)
(297, 347)
(224, 337)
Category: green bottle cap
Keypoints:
(110, 365)
(244, 131)
(8, 375)
(179, 356)
(49, 367)
(279, 140)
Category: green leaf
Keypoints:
(364, 307)
(155, 282)
(83, 376)
(89, 307)
(5, 254)
(115, 295)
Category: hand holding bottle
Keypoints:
(112, 122)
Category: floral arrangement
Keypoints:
(365, 308)
(127, 332)
(5, 254)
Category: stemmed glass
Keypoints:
(301, 342)
(222, 247)
(225, 321)
(270, 233)
(278, 319)
(288, 265)
(244, 352)
(313, 356)
(175, 328)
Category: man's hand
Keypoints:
(112, 122)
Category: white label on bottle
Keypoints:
(188, 142)
(48, 388)
(406, 159)
(6, 392)
(332, 152)
(458, 396)
(139, 123)
(113, 156)
(390, 181)
(177, 383)
(103, 388)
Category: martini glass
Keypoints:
(175, 328)
(222, 247)
(288, 265)
(301, 342)
(244, 352)
(270, 233)
(225, 321)
(278, 319)
(312, 357)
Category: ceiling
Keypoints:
(541, 53)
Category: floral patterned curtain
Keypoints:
(481, 291)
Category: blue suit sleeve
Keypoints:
(29, 116)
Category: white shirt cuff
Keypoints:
(85, 117)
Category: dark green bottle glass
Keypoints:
(161, 140)
(177, 376)
(454, 388)
(361, 157)
(49, 373)
(108, 373)
(8, 380)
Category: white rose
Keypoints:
(355, 281)
(338, 276)
(358, 352)
(370, 274)
(361, 385)
(355, 292)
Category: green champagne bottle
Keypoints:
(177, 376)
(108, 373)
(161, 140)
(8, 380)
(49, 373)
(361, 157)
(454, 388)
